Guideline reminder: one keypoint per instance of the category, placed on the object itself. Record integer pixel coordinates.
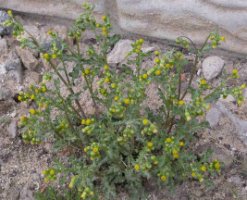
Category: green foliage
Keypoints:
(124, 143)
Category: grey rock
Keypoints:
(5, 93)
(240, 125)
(119, 52)
(4, 30)
(13, 64)
(3, 46)
(212, 67)
(121, 49)
(223, 156)
(213, 117)
(27, 58)
(31, 78)
(12, 129)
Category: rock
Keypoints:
(27, 58)
(223, 156)
(168, 19)
(33, 31)
(213, 117)
(3, 17)
(13, 64)
(3, 46)
(240, 125)
(5, 93)
(164, 19)
(121, 50)
(31, 78)
(12, 129)
(212, 67)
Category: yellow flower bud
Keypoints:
(32, 111)
(157, 72)
(126, 101)
(145, 122)
(163, 178)
(137, 167)
(144, 76)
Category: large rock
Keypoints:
(27, 58)
(193, 18)
(212, 67)
(13, 66)
(164, 19)
(121, 50)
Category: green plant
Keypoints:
(124, 143)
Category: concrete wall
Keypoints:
(164, 19)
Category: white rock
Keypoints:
(212, 67)
(27, 58)
(213, 117)
(121, 50)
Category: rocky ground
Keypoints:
(21, 164)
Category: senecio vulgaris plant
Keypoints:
(124, 143)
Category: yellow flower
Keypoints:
(106, 67)
(168, 140)
(157, 60)
(222, 38)
(107, 80)
(10, 13)
(145, 122)
(217, 165)
(96, 149)
(193, 174)
(46, 56)
(203, 168)
(157, 72)
(126, 101)
(54, 56)
(116, 98)
(113, 85)
(88, 122)
(156, 53)
(19, 98)
(203, 82)
(181, 144)
(137, 167)
(243, 86)
(163, 178)
(144, 76)
(104, 18)
(32, 111)
(150, 145)
(175, 154)
(87, 71)
(181, 102)
(235, 73)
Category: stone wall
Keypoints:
(164, 19)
